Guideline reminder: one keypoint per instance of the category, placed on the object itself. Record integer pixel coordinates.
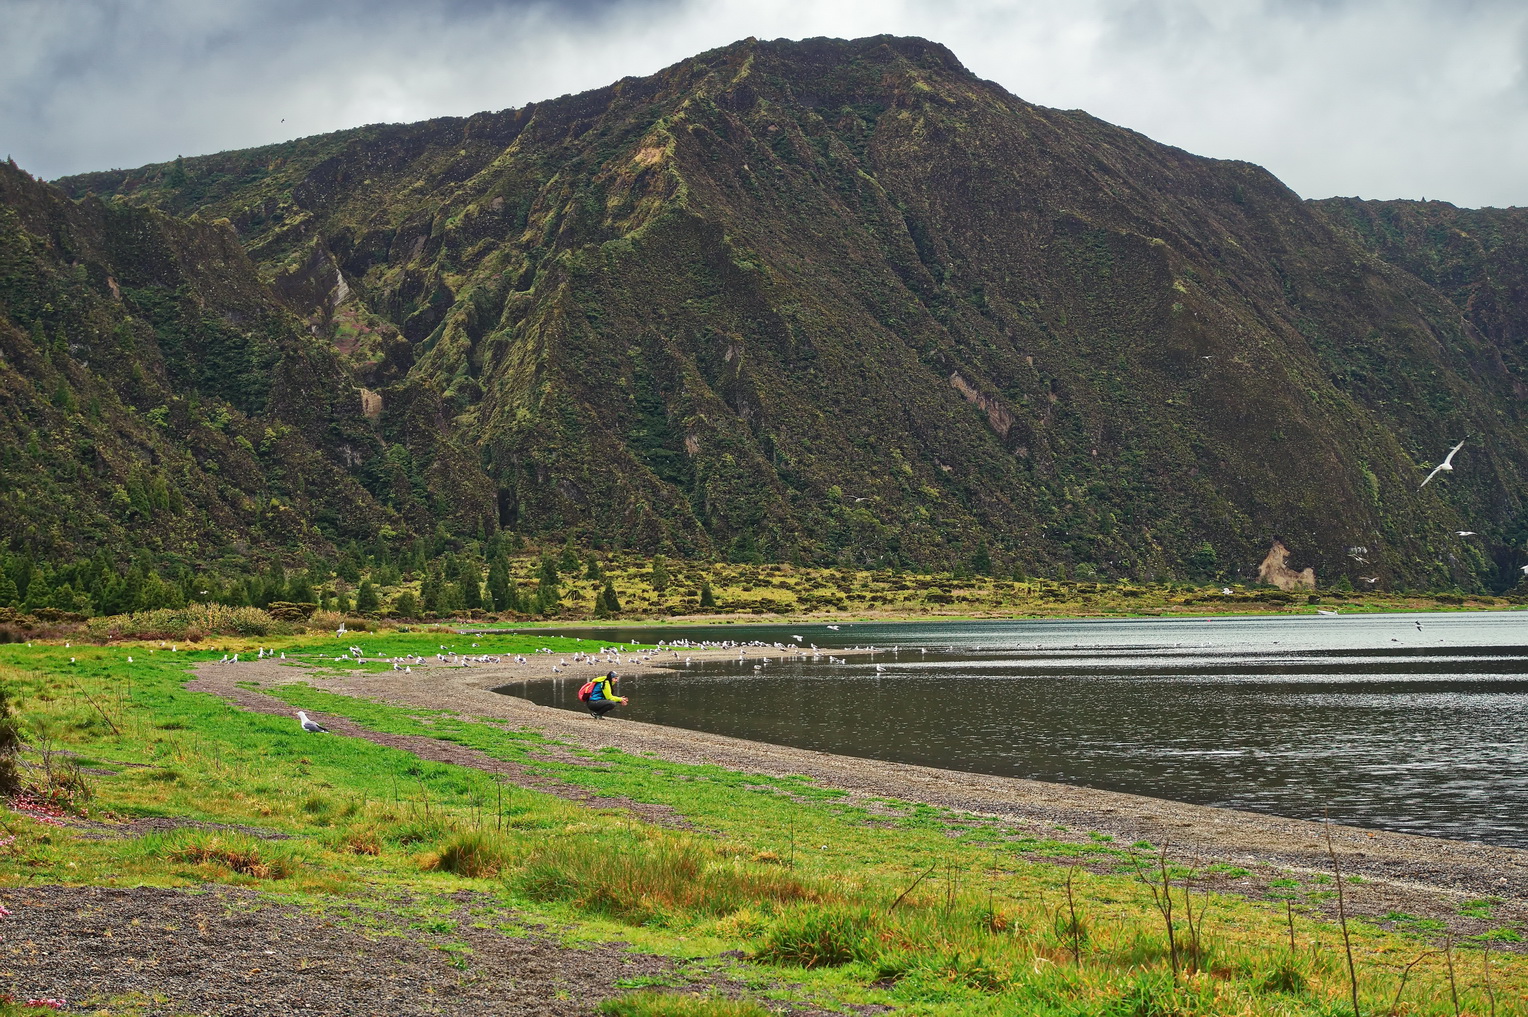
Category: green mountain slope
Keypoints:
(843, 301)
(157, 398)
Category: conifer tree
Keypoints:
(8, 594)
(660, 578)
(707, 598)
(547, 575)
(39, 591)
(568, 564)
(366, 601)
(498, 585)
(607, 598)
(407, 604)
(429, 593)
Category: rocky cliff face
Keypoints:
(843, 301)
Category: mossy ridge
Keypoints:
(680, 312)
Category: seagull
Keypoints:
(1371, 580)
(1325, 612)
(796, 638)
(1446, 464)
(1523, 569)
(833, 627)
(309, 725)
(1464, 533)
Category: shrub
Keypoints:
(10, 744)
(181, 622)
(812, 937)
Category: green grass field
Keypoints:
(830, 901)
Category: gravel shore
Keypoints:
(1401, 872)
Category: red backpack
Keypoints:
(585, 692)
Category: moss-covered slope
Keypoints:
(845, 301)
(157, 398)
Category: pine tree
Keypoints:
(8, 594)
(366, 601)
(547, 575)
(498, 585)
(661, 578)
(707, 598)
(607, 598)
(39, 592)
(407, 605)
(593, 572)
(429, 593)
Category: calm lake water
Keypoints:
(1388, 725)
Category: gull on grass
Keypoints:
(309, 725)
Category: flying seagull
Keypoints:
(309, 725)
(1465, 533)
(1446, 464)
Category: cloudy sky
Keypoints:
(1378, 98)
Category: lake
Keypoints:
(1415, 723)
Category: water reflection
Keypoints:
(1384, 724)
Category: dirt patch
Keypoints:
(228, 952)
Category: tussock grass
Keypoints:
(648, 1003)
(472, 853)
(240, 853)
(655, 879)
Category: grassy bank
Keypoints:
(827, 901)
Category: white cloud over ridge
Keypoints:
(1378, 98)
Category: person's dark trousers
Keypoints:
(600, 707)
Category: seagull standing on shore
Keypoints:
(309, 725)
(1446, 464)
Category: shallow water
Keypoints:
(1379, 722)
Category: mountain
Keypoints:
(157, 399)
(846, 302)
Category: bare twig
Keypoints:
(1342, 917)
(1453, 986)
(1395, 1004)
(1164, 902)
(1071, 906)
(104, 715)
(910, 889)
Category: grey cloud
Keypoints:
(1383, 98)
